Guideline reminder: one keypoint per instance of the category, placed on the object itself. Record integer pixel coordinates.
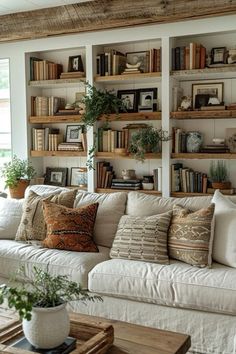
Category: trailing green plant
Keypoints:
(99, 102)
(45, 291)
(147, 140)
(15, 170)
(218, 171)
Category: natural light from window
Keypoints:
(5, 116)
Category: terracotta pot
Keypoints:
(18, 191)
(221, 185)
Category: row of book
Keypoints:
(46, 106)
(189, 57)
(109, 140)
(44, 69)
(113, 62)
(184, 179)
(105, 174)
(51, 139)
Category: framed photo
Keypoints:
(73, 133)
(207, 89)
(218, 55)
(79, 176)
(75, 63)
(56, 176)
(134, 58)
(129, 98)
(147, 100)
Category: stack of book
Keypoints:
(132, 184)
(179, 140)
(46, 106)
(72, 75)
(215, 148)
(44, 70)
(189, 57)
(131, 71)
(184, 179)
(67, 112)
(105, 174)
(109, 140)
(70, 146)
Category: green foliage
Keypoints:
(16, 169)
(218, 171)
(45, 291)
(147, 140)
(99, 102)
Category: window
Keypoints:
(5, 116)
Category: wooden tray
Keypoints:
(93, 337)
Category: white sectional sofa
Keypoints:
(179, 297)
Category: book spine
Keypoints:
(159, 182)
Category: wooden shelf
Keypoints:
(183, 194)
(35, 153)
(131, 116)
(128, 77)
(189, 156)
(203, 114)
(111, 190)
(56, 119)
(228, 71)
(58, 82)
(113, 156)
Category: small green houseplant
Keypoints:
(17, 174)
(45, 295)
(218, 175)
(147, 140)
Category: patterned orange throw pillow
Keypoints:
(70, 229)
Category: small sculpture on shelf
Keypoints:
(186, 104)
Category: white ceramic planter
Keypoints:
(48, 327)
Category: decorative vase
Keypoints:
(48, 327)
(194, 141)
(18, 191)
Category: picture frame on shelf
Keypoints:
(142, 57)
(218, 55)
(56, 176)
(129, 99)
(73, 133)
(79, 176)
(75, 63)
(147, 100)
(214, 89)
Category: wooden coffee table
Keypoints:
(96, 331)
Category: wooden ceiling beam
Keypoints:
(106, 14)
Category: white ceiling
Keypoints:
(12, 6)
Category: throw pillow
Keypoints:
(190, 235)
(70, 229)
(142, 238)
(224, 245)
(10, 216)
(32, 225)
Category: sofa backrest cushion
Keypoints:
(111, 208)
(140, 204)
(224, 246)
(10, 216)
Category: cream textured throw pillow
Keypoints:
(32, 225)
(224, 245)
(142, 238)
(191, 234)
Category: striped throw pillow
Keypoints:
(190, 235)
(142, 238)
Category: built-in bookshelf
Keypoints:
(211, 123)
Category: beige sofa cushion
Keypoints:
(224, 246)
(10, 216)
(177, 285)
(191, 234)
(32, 225)
(142, 238)
(140, 204)
(111, 208)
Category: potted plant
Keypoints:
(42, 304)
(147, 140)
(218, 175)
(17, 174)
